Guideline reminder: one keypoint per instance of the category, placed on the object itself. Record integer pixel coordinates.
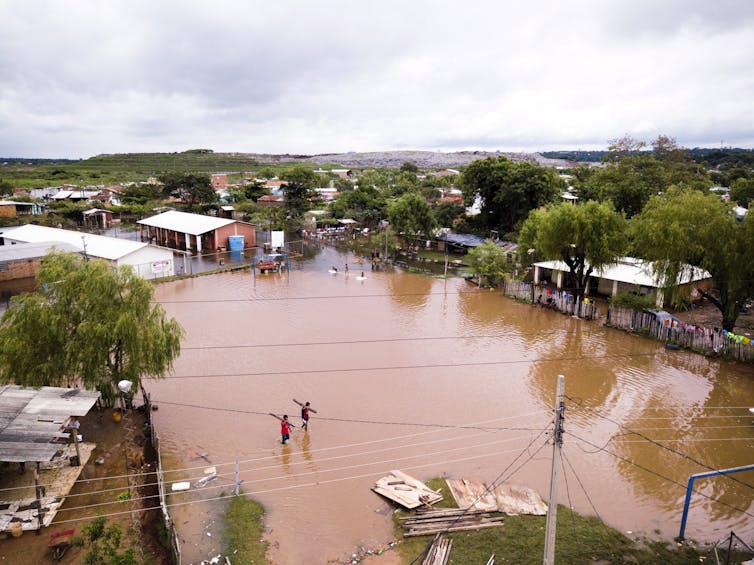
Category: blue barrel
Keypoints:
(235, 242)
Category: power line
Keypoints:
(304, 474)
(661, 476)
(665, 447)
(429, 366)
(489, 487)
(352, 420)
(365, 341)
(470, 426)
(289, 487)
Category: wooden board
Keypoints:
(406, 490)
(472, 493)
(517, 499)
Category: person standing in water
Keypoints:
(285, 429)
(305, 416)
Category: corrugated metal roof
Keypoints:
(183, 222)
(101, 246)
(22, 251)
(30, 419)
(463, 239)
(632, 271)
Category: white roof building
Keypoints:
(627, 273)
(194, 224)
(148, 260)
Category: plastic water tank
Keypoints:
(235, 242)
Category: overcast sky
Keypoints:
(79, 78)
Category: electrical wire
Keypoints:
(289, 487)
(665, 447)
(428, 366)
(659, 475)
(489, 488)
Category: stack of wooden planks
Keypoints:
(427, 522)
(439, 552)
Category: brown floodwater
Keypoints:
(435, 378)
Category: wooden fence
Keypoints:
(689, 336)
(558, 300)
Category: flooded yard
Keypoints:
(436, 378)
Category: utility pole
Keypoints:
(557, 442)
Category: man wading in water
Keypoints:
(305, 416)
(285, 429)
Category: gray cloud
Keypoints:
(84, 77)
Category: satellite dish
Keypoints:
(125, 386)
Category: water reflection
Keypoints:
(385, 360)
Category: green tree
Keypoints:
(632, 176)
(89, 324)
(255, 189)
(103, 543)
(6, 188)
(191, 188)
(684, 228)
(299, 190)
(448, 212)
(508, 190)
(364, 204)
(584, 236)
(409, 167)
(742, 191)
(141, 193)
(412, 216)
(488, 262)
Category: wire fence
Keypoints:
(172, 534)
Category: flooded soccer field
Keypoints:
(436, 378)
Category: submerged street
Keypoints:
(435, 378)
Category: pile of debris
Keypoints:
(426, 522)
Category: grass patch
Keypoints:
(579, 539)
(243, 532)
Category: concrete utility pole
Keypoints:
(557, 442)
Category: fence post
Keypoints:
(238, 484)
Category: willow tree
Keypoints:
(585, 237)
(681, 229)
(88, 324)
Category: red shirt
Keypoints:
(285, 427)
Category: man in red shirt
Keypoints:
(285, 429)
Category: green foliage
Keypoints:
(88, 324)
(103, 543)
(124, 496)
(412, 215)
(191, 188)
(447, 213)
(580, 539)
(244, 529)
(301, 182)
(255, 189)
(141, 193)
(633, 175)
(584, 236)
(633, 300)
(5, 188)
(488, 262)
(365, 205)
(508, 190)
(742, 191)
(687, 227)
(409, 167)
